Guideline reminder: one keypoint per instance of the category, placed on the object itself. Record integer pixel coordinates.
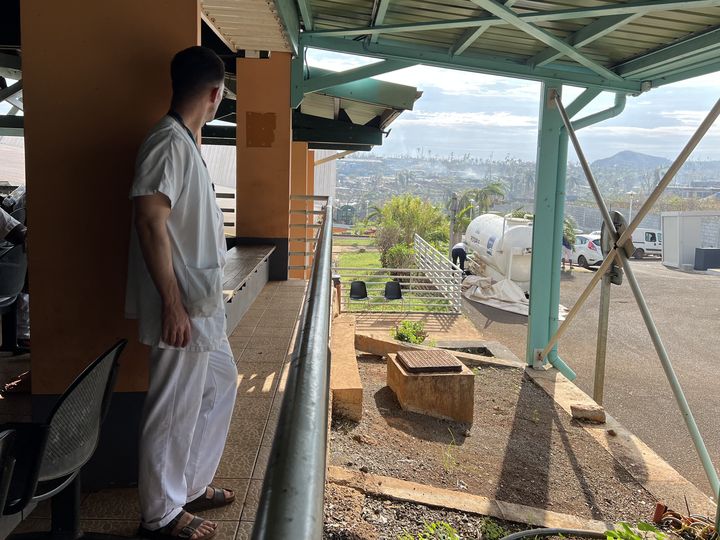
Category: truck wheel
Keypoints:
(582, 261)
(639, 253)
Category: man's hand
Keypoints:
(151, 215)
(175, 325)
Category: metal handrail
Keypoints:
(292, 499)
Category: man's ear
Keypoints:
(216, 94)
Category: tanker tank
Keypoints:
(501, 247)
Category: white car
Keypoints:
(586, 251)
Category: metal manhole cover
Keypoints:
(429, 361)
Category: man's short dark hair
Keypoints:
(193, 70)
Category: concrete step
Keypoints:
(345, 385)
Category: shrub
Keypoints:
(410, 332)
(438, 530)
(398, 256)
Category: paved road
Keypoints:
(686, 308)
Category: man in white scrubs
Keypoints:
(177, 254)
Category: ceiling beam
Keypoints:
(595, 30)
(351, 75)
(379, 11)
(471, 35)
(10, 91)
(340, 146)
(12, 126)
(306, 13)
(687, 50)
(509, 16)
(288, 13)
(433, 56)
(641, 7)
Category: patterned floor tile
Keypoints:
(252, 500)
(257, 380)
(238, 460)
(261, 463)
(252, 355)
(245, 530)
(272, 342)
(118, 504)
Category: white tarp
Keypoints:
(504, 295)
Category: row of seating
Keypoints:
(358, 291)
(42, 460)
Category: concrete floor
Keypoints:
(686, 308)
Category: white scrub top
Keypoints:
(169, 162)
(460, 245)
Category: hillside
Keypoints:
(632, 160)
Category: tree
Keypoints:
(401, 218)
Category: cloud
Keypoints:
(466, 119)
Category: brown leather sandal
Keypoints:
(217, 500)
(173, 530)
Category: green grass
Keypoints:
(360, 241)
(371, 259)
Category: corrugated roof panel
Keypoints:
(246, 24)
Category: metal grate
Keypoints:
(429, 361)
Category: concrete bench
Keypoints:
(245, 275)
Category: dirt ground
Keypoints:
(685, 307)
(522, 448)
(350, 515)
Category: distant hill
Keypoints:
(634, 160)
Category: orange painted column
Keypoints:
(298, 186)
(96, 77)
(263, 156)
(310, 205)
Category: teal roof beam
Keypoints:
(330, 79)
(710, 67)
(586, 35)
(471, 35)
(687, 49)
(479, 64)
(611, 112)
(582, 101)
(287, 11)
(511, 18)
(641, 7)
(379, 11)
(306, 13)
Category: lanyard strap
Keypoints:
(175, 116)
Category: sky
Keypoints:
(490, 116)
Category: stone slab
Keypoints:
(402, 490)
(442, 395)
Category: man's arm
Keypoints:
(151, 215)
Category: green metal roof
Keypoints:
(625, 46)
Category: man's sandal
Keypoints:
(216, 500)
(174, 531)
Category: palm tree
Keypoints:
(483, 198)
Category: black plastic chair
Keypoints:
(49, 456)
(358, 291)
(13, 269)
(394, 292)
(7, 462)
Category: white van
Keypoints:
(647, 242)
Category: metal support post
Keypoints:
(599, 384)
(547, 227)
(453, 217)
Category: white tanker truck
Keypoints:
(500, 248)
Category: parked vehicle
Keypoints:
(647, 242)
(586, 251)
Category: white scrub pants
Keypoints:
(185, 422)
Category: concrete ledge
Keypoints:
(382, 345)
(345, 385)
(443, 395)
(401, 490)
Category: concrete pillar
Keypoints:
(96, 77)
(263, 155)
(298, 186)
(310, 205)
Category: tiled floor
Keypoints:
(261, 345)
